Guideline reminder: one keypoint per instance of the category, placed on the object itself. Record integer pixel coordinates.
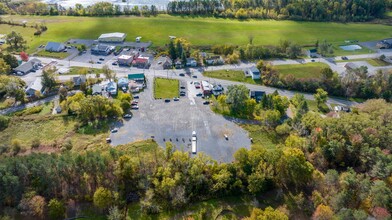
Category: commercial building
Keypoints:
(115, 37)
(102, 49)
(30, 66)
(125, 60)
(54, 47)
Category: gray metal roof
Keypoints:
(54, 46)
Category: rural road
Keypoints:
(151, 73)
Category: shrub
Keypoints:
(16, 146)
(4, 121)
(35, 143)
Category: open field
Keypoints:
(233, 75)
(200, 31)
(304, 71)
(166, 88)
(51, 130)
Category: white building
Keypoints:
(125, 60)
(115, 37)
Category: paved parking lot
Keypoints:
(175, 122)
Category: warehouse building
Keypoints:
(112, 37)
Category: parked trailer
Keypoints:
(194, 143)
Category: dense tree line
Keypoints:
(317, 10)
(97, 9)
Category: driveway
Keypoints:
(175, 121)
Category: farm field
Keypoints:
(304, 71)
(199, 31)
(166, 88)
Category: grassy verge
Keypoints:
(6, 103)
(57, 55)
(232, 75)
(166, 88)
(304, 71)
(312, 104)
(261, 137)
(377, 62)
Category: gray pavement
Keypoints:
(175, 122)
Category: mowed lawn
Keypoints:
(166, 88)
(377, 62)
(57, 55)
(232, 75)
(303, 71)
(200, 31)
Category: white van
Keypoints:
(194, 143)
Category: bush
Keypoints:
(67, 145)
(56, 209)
(4, 121)
(35, 143)
(30, 111)
(16, 146)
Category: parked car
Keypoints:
(101, 59)
(206, 102)
(182, 93)
(127, 116)
(136, 97)
(226, 137)
(134, 102)
(199, 94)
(114, 63)
(182, 87)
(114, 130)
(194, 76)
(167, 100)
(99, 62)
(182, 74)
(176, 99)
(108, 140)
(313, 60)
(160, 62)
(135, 107)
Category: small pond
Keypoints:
(351, 47)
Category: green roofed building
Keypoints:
(136, 76)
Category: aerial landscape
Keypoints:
(196, 109)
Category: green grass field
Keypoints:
(59, 55)
(260, 136)
(377, 62)
(75, 70)
(199, 31)
(232, 75)
(304, 71)
(166, 88)
(50, 129)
